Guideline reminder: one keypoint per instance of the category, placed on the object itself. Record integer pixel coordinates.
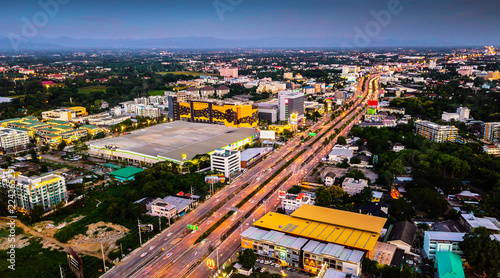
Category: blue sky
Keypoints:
(436, 20)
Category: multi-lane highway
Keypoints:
(299, 170)
(167, 248)
(174, 254)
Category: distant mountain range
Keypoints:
(66, 43)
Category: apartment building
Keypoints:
(47, 190)
(442, 241)
(435, 132)
(13, 140)
(491, 132)
(147, 111)
(225, 161)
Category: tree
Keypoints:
(323, 197)
(61, 145)
(34, 155)
(481, 252)
(355, 160)
(341, 140)
(80, 146)
(401, 210)
(248, 258)
(428, 200)
(491, 205)
(336, 191)
(36, 213)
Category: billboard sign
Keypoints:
(372, 103)
(192, 227)
(210, 264)
(146, 228)
(247, 244)
(294, 118)
(220, 178)
(268, 134)
(282, 194)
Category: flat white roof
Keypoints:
(447, 236)
(332, 273)
(476, 222)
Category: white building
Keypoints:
(291, 202)
(353, 187)
(329, 179)
(340, 153)
(470, 222)
(48, 190)
(13, 140)
(397, 147)
(442, 241)
(225, 161)
(462, 114)
(163, 209)
(147, 111)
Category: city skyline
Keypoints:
(224, 23)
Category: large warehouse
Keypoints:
(313, 236)
(175, 141)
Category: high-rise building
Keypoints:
(435, 132)
(491, 132)
(463, 113)
(47, 190)
(13, 140)
(290, 102)
(225, 161)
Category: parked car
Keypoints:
(144, 254)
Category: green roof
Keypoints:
(449, 265)
(90, 126)
(10, 120)
(57, 122)
(126, 172)
(30, 118)
(20, 128)
(113, 166)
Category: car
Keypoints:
(193, 232)
(165, 239)
(166, 256)
(277, 265)
(144, 254)
(169, 234)
(262, 269)
(152, 247)
(204, 240)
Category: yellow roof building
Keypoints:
(329, 225)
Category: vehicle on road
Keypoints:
(169, 234)
(152, 247)
(144, 254)
(166, 256)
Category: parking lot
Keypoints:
(263, 265)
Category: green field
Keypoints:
(157, 93)
(90, 89)
(188, 73)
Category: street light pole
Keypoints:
(139, 225)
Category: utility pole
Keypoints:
(217, 250)
(139, 225)
(103, 261)
(121, 250)
(60, 269)
(159, 222)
